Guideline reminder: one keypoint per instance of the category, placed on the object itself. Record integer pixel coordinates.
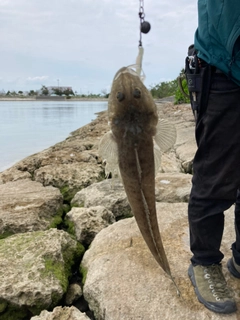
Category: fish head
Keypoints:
(130, 103)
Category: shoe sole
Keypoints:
(225, 310)
(232, 269)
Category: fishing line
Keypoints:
(144, 25)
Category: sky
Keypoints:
(83, 43)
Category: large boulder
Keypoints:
(123, 280)
(34, 271)
(26, 205)
(173, 187)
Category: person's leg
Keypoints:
(206, 221)
(216, 177)
(216, 171)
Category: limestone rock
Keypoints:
(108, 193)
(74, 292)
(185, 133)
(186, 153)
(169, 162)
(13, 174)
(89, 221)
(124, 281)
(173, 187)
(26, 205)
(34, 271)
(60, 313)
(69, 178)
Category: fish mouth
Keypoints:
(133, 69)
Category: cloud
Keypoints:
(87, 41)
(37, 79)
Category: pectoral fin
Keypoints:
(166, 135)
(108, 151)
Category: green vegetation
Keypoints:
(171, 88)
(44, 91)
(3, 305)
(83, 272)
(14, 312)
(164, 89)
(58, 269)
(70, 226)
(66, 92)
(6, 234)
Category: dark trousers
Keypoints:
(216, 172)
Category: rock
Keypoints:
(26, 205)
(186, 153)
(69, 178)
(13, 174)
(34, 271)
(123, 280)
(108, 193)
(169, 162)
(60, 313)
(186, 145)
(89, 221)
(173, 187)
(74, 292)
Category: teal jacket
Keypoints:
(217, 38)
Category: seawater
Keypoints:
(27, 127)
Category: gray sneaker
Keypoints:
(233, 267)
(211, 288)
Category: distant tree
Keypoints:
(32, 93)
(58, 91)
(20, 92)
(164, 89)
(44, 91)
(68, 92)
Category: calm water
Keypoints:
(27, 127)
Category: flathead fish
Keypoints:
(133, 149)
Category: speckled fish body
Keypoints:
(134, 125)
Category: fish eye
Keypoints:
(137, 93)
(120, 96)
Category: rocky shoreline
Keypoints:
(70, 248)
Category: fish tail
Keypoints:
(156, 238)
(176, 286)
